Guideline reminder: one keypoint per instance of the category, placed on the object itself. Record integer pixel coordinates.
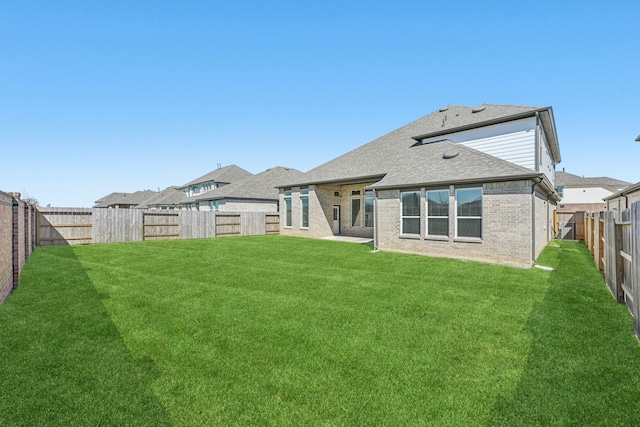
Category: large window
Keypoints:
(287, 210)
(355, 212)
(410, 221)
(469, 212)
(368, 212)
(438, 213)
(304, 202)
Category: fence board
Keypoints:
(117, 225)
(64, 226)
(197, 225)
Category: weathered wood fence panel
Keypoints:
(614, 242)
(161, 225)
(117, 225)
(197, 225)
(82, 226)
(64, 226)
(272, 223)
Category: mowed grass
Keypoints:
(289, 331)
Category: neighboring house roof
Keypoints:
(227, 174)
(565, 179)
(106, 200)
(377, 158)
(167, 197)
(624, 192)
(262, 186)
(131, 199)
(446, 162)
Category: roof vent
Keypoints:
(451, 154)
(478, 109)
(444, 109)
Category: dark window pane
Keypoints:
(438, 203)
(355, 211)
(469, 227)
(411, 204)
(469, 201)
(305, 211)
(368, 212)
(288, 213)
(411, 226)
(438, 226)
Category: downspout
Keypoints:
(533, 218)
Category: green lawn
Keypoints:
(289, 331)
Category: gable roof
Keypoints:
(566, 179)
(130, 199)
(624, 192)
(446, 162)
(226, 175)
(106, 200)
(377, 158)
(261, 186)
(167, 197)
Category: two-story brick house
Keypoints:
(463, 182)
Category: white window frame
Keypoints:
(459, 217)
(428, 217)
(403, 217)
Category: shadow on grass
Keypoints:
(584, 360)
(62, 360)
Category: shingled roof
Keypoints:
(226, 175)
(565, 179)
(446, 162)
(129, 199)
(372, 161)
(167, 197)
(261, 186)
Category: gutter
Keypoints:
(454, 182)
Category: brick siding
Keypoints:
(17, 239)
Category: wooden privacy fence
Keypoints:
(63, 226)
(614, 240)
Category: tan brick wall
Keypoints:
(6, 246)
(17, 228)
(322, 199)
(507, 227)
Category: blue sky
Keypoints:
(104, 96)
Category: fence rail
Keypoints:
(59, 226)
(614, 241)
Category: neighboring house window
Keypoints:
(196, 189)
(469, 212)
(304, 190)
(287, 210)
(410, 221)
(368, 208)
(438, 213)
(561, 191)
(214, 205)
